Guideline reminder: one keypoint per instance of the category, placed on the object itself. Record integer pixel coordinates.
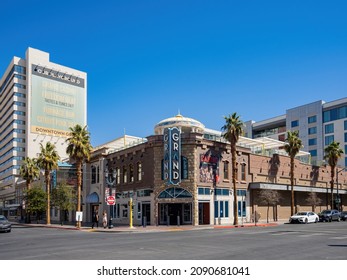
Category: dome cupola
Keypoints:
(183, 123)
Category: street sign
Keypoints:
(111, 200)
(79, 216)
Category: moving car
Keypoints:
(343, 215)
(5, 225)
(329, 215)
(304, 217)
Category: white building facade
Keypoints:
(39, 101)
(319, 123)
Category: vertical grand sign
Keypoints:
(172, 156)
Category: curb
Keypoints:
(120, 229)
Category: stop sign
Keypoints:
(111, 200)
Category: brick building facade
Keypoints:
(204, 193)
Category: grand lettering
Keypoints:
(172, 156)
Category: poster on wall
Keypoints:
(58, 102)
(209, 168)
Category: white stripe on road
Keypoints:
(339, 237)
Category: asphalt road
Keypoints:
(322, 241)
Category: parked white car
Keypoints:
(304, 217)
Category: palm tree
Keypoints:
(292, 147)
(231, 131)
(332, 154)
(48, 161)
(79, 149)
(29, 171)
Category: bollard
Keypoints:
(144, 221)
(168, 220)
(178, 221)
(110, 223)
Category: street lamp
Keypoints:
(110, 180)
(338, 200)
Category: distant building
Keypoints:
(39, 101)
(319, 123)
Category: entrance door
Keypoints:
(146, 212)
(171, 213)
(94, 208)
(204, 213)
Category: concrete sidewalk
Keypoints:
(141, 229)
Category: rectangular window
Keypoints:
(312, 119)
(226, 209)
(131, 173)
(345, 125)
(139, 171)
(335, 114)
(184, 166)
(226, 170)
(295, 123)
(221, 209)
(241, 208)
(345, 149)
(117, 210)
(125, 211)
(312, 142)
(329, 128)
(125, 177)
(241, 192)
(139, 210)
(313, 153)
(329, 139)
(93, 174)
(312, 130)
(243, 172)
(216, 209)
(345, 137)
(117, 175)
(204, 191)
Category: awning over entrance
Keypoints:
(92, 198)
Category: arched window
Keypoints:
(175, 193)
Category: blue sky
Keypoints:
(147, 60)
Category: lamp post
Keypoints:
(110, 180)
(337, 200)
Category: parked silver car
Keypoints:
(5, 225)
(329, 215)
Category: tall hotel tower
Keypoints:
(39, 101)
